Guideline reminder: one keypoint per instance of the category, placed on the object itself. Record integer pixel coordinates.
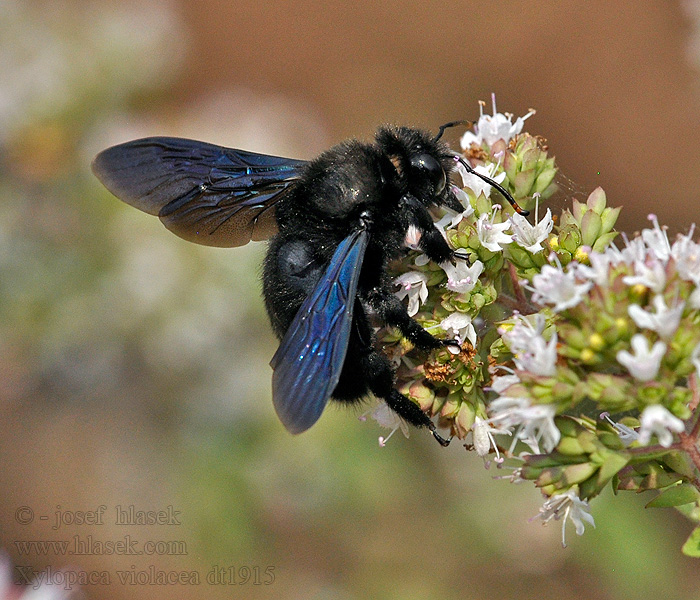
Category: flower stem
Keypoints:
(517, 288)
(689, 441)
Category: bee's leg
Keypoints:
(373, 370)
(390, 310)
(365, 370)
(412, 413)
(435, 246)
(431, 241)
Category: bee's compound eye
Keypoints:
(432, 169)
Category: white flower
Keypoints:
(627, 434)
(644, 364)
(421, 260)
(414, 285)
(523, 330)
(491, 128)
(462, 277)
(694, 299)
(650, 273)
(657, 420)
(452, 219)
(538, 428)
(634, 251)
(553, 286)
(656, 240)
(515, 476)
(599, 271)
(463, 198)
(491, 234)
(385, 417)
(695, 357)
(664, 321)
(40, 585)
(530, 236)
(540, 358)
(686, 253)
(482, 436)
(475, 183)
(569, 506)
(535, 422)
(460, 325)
(530, 350)
(500, 383)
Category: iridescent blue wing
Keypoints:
(204, 193)
(308, 363)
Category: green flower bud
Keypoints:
(596, 342)
(464, 420)
(531, 157)
(652, 393)
(604, 241)
(567, 427)
(597, 200)
(610, 391)
(421, 395)
(574, 474)
(544, 180)
(450, 408)
(570, 446)
(550, 476)
(590, 227)
(638, 293)
(608, 218)
(524, 182)
(570, 238)
(581, 256)
(622, 327)
(575, 338)
(483, 205)
(520, 257)
(589, 357)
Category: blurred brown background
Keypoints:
(134, 366)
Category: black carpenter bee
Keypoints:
(335, 223)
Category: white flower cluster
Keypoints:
(492, 128)
(649, 266)
(648, 256)
(530, 423)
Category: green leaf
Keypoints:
(674, 496)
(577, 473)
(611, 466)
(657, 480)
(680, 462)
(692, 544)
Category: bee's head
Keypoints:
(422, 162)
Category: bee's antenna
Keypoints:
(498, 186)
(442, 128)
